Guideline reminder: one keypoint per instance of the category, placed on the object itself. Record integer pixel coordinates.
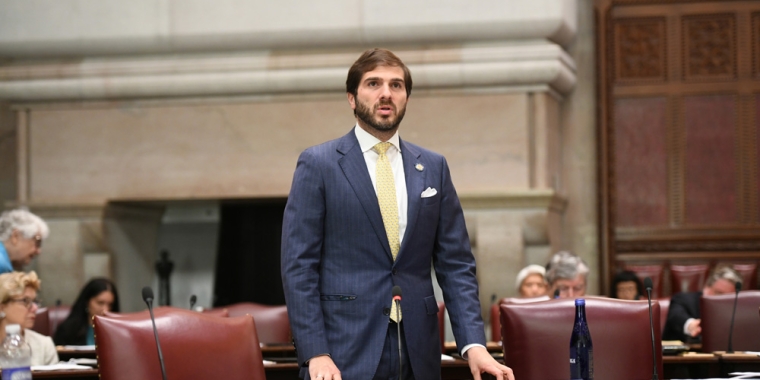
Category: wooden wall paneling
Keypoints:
(754, 138)
(710, 181)
(641, 156)
(710, 75)
(640, 50)
(755, 41)
(709, 47)
(676, 161)
(746, 143)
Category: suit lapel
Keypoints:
(355, 169)
(415, 182)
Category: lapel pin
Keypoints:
(419, 167)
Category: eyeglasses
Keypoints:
(28, 302)
(37, 241)
(576, 288)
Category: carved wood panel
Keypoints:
(640, 49)
(709, 46)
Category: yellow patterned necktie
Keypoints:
(386, 197)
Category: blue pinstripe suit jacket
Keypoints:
(337, 268)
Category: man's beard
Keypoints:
(365, 114)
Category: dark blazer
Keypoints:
(682, 307)
(337, 268)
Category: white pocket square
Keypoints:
(429, 192)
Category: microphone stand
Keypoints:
(398, 333)
(147, 293)
(651, 330)
(733, 316)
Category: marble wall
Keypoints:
(116, 109)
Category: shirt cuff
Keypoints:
(469, 346)
(686, 327)
(306, 363)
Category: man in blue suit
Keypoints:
(368, 212)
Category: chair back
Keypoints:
(716, 321)
(48, 319)
(655, 272)
(42, 321)
(272, 323)
(194, 346)
(496, 323)
(219, 312)
(688, 278)
(748, 273)
(664, 308)
(537, 336)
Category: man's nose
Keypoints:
(385, 93)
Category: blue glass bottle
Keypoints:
(581, 348)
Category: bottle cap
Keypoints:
(13, 329)
(580, 302)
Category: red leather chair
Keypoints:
(664, 307)
(496, 323)
(42, 321)
(748, 272)
(688, 278)
(272, 322)
(716, 321)
(655, 272)
(48, 319)
(441, 322)
(220, 312)
(537, 337)
(194, 346)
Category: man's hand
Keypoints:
(694, 327)
(482, 362)
(323, 368)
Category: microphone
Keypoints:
(648, 286)
(556, 294)
(147, 295)
(193, 299)
(733, 316)
(396, 292)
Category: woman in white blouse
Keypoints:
(18, 305)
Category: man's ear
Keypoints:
(14, 237)
(351, 100)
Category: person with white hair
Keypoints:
(683, 322)
(531, 282)
(567, 274)
(21, 236)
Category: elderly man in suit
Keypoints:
(683, 322)
(367, 212)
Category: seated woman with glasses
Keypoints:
(98, 297)
(18, 292)
(627, 286)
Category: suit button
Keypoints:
(387, 311)
(393, 272)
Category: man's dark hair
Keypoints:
(370, 60)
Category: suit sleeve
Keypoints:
(678, 314)
(455, 267)
(302, 233)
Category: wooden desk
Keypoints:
(674, 367)
(70, 374)
(450, 370)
